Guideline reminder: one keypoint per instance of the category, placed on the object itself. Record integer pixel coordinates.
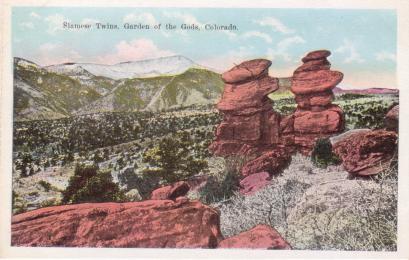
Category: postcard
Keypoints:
(212, 129)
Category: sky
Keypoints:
(362, 42)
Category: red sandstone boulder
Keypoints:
(273, 162)
(316, 55)
(312, 65)
(329, 120)
(259, 237)
(170, 192)
(366, 153)
(287, 124)
(254, 182)
(315, 81)
(250, 95)
(270, 128)
(248, 70)
(392, 119)
(306, 142)
(317, 99)
(145, 224)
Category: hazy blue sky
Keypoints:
(362, 42)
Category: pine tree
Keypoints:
(172, 159)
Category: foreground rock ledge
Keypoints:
(259, 237)
(146, 224)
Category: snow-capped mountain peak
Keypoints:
(131, 69)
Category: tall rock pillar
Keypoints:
(315, 116)
(249, 121)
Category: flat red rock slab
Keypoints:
(171, 192)
(366, 153)
(316, 55)
(145, 224)
(315, 82)
(254, 182)
(259, 237)
(248, 70)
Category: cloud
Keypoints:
(349, 49)
(367, 78)
(384, 56)
(226, 61)
(54, 53)
(229, 34)
(35, 15)
(137, 49)
(282, 48)
(27, 25)
(275, 24)
(258, 34)
(55, 22)
(145, 18)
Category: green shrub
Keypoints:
(46, 185)
(49, 203)
(89, 184)
(225, 184)
(172, 159)
(322, 154)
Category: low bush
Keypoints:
(222, 184)
(45, 185)
(89, 184)
(322, 154)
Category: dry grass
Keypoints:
(320, 209)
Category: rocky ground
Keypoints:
(314, 208)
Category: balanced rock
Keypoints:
(392, 119)
(259, 237)
(171, 192)
(366, 153)
(247, 70)
(316, 117)
(145, 224)
(254, 182)
(316, 55)
(249, 120)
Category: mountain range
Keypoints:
(79, 88)
(48, 92)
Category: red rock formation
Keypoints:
(259, 237)
(170, 192)
(392, 119)
(272, 161)
(150, 223)
(315, 116)
(366, 153)
(249, 119)
(254, 182)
